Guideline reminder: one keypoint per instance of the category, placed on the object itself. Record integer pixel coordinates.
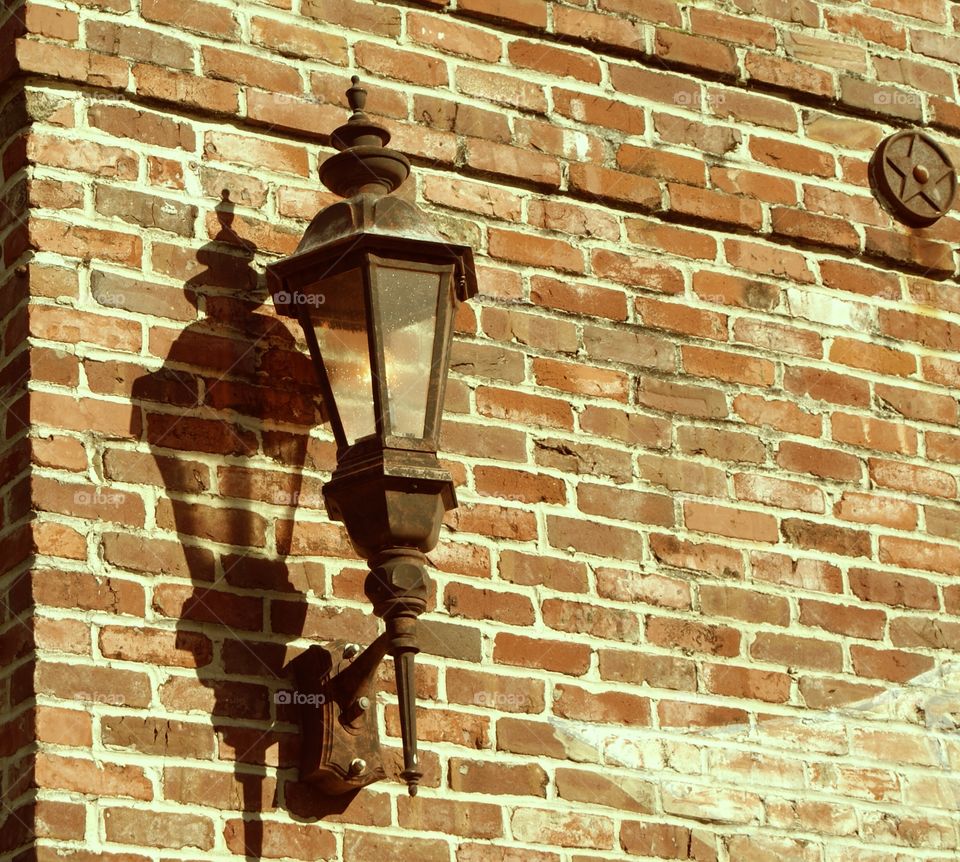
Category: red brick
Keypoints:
(639, 668)
(516, 485)
(847, 620)
(894, 665)
(560, 656)
(626, 793)
(768, 260)
(496, 779)
(494, 691)
(873, 357)
(943, 447)
(352, 15)
(553, 60)
(463, 600)
(931, 257)
(61, 24)
(693, 637)
(793, 651)
(591, 538)
(654, 839)
(826, 538)
(829, 386)
(912, 554)
(715, 207)
(623, 505)
(503, 522)
(296, 41)
(925, 633)
(813, 229)
(735, 523)
(875, 434)
(806, 574)
(280, 840)
(255, 152)
(870, 27)
(244, 69)
(581, 379)
(529, 14)
(915, 404)
(675, 713)
(912, 478)
(609, 707)
(826, 692)
(626, 427)
(682, 475)
(655, 235)
(786, 75)
(514, 92)
(875, 509)
(731, 367)
(188, 90)
(653, 589)
(500, 160)
(634, 270)
(893, 589)
(598, 111)
(747, 605)
(616, 187)
(138, 43)
(70, 64)
(198, 17)
(695, 52)
(733, 681)
(819, 461)
(689, 400)
(599, 29)
(161, 829)
(579, 618)
(723, 444)
(716, 140)
(725, 289)
(90, 777)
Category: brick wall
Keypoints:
(699, 600)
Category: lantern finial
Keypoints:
(364, 163)
(356, 96)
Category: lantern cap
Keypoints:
(368, 213)
(364, 161)
(385, 225)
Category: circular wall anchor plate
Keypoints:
(913, 178)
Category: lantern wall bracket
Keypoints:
(336, 691)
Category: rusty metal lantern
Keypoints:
(375, 288)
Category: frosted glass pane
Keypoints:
(408, 315)
(339, 321)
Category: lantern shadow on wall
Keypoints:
(211, 378)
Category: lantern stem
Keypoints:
(397, 586)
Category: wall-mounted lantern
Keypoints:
(375, 288)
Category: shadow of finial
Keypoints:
(226, 215)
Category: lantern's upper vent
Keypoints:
(364, 163)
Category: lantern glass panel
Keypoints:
(339, 318)
(407, 298)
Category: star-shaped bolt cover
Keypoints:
(913, 178)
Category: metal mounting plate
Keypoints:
(335, 733)
(913, 178)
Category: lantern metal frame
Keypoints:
(389, 489)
